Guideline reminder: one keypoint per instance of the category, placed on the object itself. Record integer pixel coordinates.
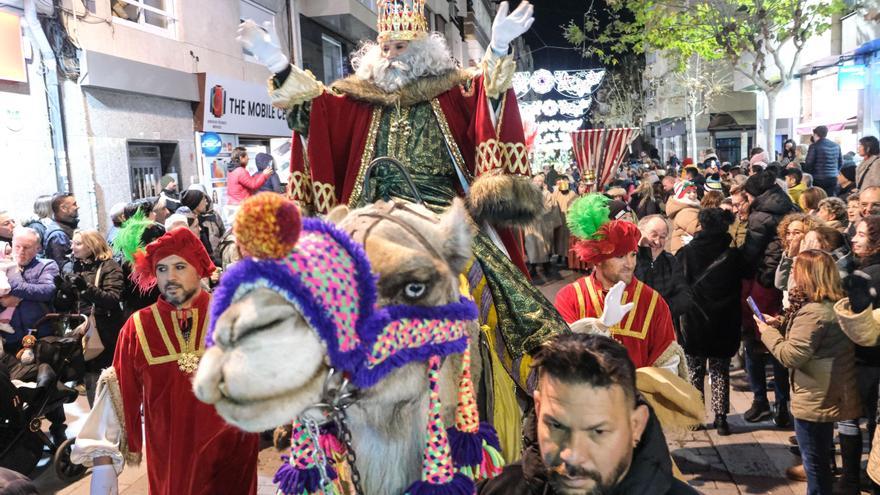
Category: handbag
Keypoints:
(91, 341)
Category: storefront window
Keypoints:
(333, 60)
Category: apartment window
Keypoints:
(256, 13)
(152, 15)
(333, 60)
(440, 24)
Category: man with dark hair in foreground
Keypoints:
(590, 433)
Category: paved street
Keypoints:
(751, 460)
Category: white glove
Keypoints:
(614, 310)
(104, 480)
(506, 28)
(263, 43)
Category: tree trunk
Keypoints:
(692, 124)
(770, 129)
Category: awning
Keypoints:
(806, 128)
(733, 120)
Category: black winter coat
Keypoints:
(870, 356)
(107, 299)
(650, 472)
(823, 159)
(711, 328)
(762, 248)
(665, 276)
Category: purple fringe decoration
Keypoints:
(293, 481)
(467, 448)
(371, 320)
(460, 485)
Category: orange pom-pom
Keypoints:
(267, 225)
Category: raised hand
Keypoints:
(262, 42)
(614, 309)
(506, 28)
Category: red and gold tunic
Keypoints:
(189, 448)
(646, 331)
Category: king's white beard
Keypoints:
(426, 57)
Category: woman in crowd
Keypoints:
(100, 282)
(868, 171)
(645, 200)
(683, 209)
(808, 340)
(710, 330)
(789, 151)
(791, 231)
(809, 200)
(853, 214)
(240, 185)
(833, 212)
(831, 241)
(42, 216)
(866, 249)
(712, 199)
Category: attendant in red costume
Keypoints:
(611, 300)
(190, 449)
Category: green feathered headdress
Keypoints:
(128, 237)
(587, 214)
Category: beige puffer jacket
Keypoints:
(815, 349)
(685, 221)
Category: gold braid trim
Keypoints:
(497, 73)
(109, 379)
(493, 154)
(366, 156)
(299, 87)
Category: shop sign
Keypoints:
(231, 106)
(211, 143)
(851, 77)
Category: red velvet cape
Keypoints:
(341, 127)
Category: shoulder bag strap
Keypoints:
(709, 269)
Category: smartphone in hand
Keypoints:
(755, 309)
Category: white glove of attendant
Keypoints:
(263, 43)
(614, 310)
(506, 28)
(104, 480)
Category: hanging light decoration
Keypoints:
(521, 83)
(570, 83)
(542, 81)
(577, 84)
(550, 108)
(575, 108)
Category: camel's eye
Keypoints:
(415, 290)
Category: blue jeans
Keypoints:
(816, 441)
(756, 361)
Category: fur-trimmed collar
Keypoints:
(423, 89)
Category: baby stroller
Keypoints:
(29, 391)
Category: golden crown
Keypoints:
(402, 20)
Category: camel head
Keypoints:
(367, 297)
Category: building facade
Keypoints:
(147, 88)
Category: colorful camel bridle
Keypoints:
(326, 275)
